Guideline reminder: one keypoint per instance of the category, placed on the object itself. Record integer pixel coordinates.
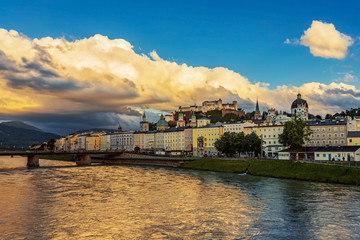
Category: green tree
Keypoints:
(253, 143)
(226, 143)
(295, 133)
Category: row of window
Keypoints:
(327, 142)
(329, 135)
(329, 129)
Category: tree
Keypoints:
(295, 133)
(226, 143)
(231, 143)
(51, 144)
(253, 143)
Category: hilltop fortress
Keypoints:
(206, 106)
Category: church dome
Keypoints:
(299, 102)
(162, 122)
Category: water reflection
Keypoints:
(119, 202)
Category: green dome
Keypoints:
(162, 122)
(193, 116)
(181, 114)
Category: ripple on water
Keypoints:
(127, 202)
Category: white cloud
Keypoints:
(98, 74)
(325, 41)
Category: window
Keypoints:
(335, 135)
(342, 141)
(324, 154)
(329, 129)
(329, 135)
(318, 155)
(341, 135)
(350, 140)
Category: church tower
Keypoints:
(257, 115)
(193, 121)
(180, 122)
(144, 125)
(300, 108)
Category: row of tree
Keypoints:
(231, 143)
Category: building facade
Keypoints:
(204, 139)
(328, 132)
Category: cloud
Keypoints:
(293, 41)
(325, 41)
(347, 77)
(102, 78)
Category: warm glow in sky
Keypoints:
(108, 78)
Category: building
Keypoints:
(353, 138)
(105, 142)
(60, 144)
(323, 153)
(204, 138)
(144, 125)
(122, 141)
(188, 141)
(174, 139)
(201, 122)
(82, 142)
(257, 114)
(328, 132)
(236, 127)
(160, 141)
(269, 135)
(180, 122)
(139, 141)
(353, 123)
(92, 142)
(300, 108)
(192, 122)
(150, 140)
(162, 125)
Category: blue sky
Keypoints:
(243, 36)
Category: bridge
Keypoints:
(83, 158)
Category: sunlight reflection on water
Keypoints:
(127, 202)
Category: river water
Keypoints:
(62, 201)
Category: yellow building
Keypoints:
(174, 139)
(204, 138)
(353, 138)
(202, 122)
(270, 137)
(93, 142)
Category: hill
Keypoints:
(19, 134)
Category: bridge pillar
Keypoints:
(33, 161)
(83, 160)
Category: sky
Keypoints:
(70, 65)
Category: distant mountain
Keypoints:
(19, 134)
(19, 124)
(95, 130)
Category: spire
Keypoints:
(257, 109)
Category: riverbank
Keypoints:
(281, 169)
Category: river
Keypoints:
(63, 201)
